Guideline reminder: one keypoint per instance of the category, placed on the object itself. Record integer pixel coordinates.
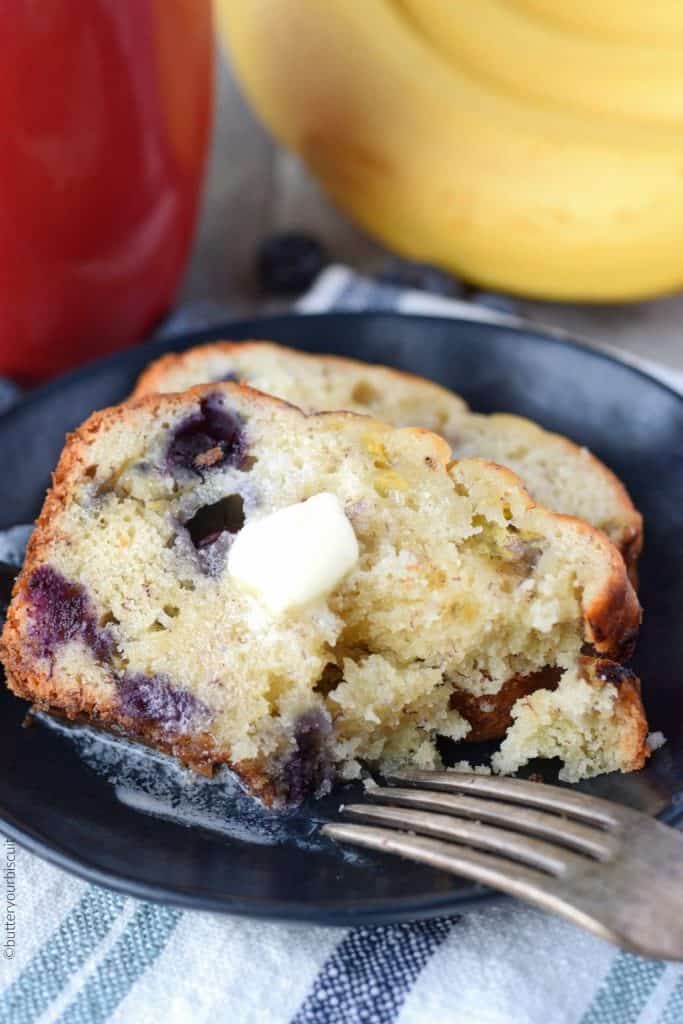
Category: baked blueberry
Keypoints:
(211, 437)
(61, 612)
(309, 770)
(155, 699)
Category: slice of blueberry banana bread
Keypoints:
(234, 581)
(558, 473)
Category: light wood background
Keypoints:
(254, 188)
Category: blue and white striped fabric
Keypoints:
(78, 954)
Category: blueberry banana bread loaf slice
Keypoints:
(234, 581)
(558, 473)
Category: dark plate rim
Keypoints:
(322, 913)
(327, 913)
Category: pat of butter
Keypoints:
(296, 555)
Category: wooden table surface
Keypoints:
(254, 188)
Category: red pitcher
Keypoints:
(104, 116)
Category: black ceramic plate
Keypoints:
(120, 817)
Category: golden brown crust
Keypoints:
(152, 378)
(614, 619)
(634, 729)
(631, 545)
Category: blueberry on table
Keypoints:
(290, 262)
(421, 277)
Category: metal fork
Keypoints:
(609, 869)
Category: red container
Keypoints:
(104, 119)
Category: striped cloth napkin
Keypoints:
(75, 953)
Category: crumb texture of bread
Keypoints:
(591, 721)
(125, 610)
(558, 473)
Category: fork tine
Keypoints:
(594, 842)
(556, 860)
(586, 808)
(506, 875)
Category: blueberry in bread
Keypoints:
(234, 581)
(558, 473)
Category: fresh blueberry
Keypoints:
(309, 767)
(211, 437)
(155, 699)
(420, 277)
(61, 612)
(288, 263)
